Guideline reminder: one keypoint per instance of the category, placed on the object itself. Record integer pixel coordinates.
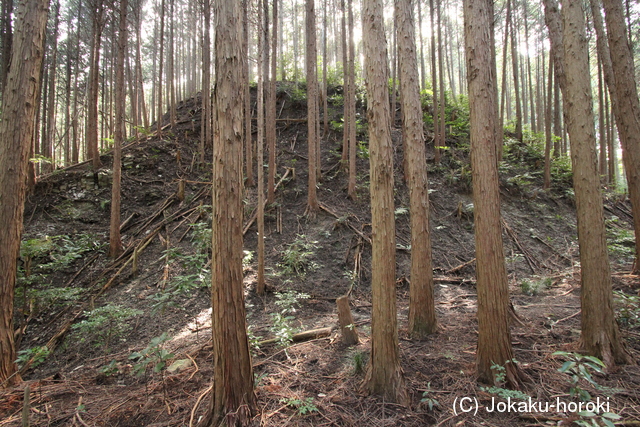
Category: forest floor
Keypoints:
(101, 322)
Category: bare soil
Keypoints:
(316, 382)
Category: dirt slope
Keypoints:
(88, 379)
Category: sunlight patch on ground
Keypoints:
(200, 322)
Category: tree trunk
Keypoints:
(494, 337)
(437, 142)
(171, 68)
(248, 140)
(92, 93)
(271, 107)
(626, 108)
(351, 105)
(7, 40)
(312, 108)
(441, 103)
(160, 112)
(422, 315)
(205, 126)
(232, 398)
(516, 80)
(115, 242)
(384, 375)
(503, 92)
(260, 287)
(600, 335)
(547, 130)
(48, 149)
(16, 134)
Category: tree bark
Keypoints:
(422, 314)
(92, 93)
(260, 286)
(626, 108)
(351, 105)
(437, 142)
(115, 242)
(205, 127)
(600, 334)
(232, 398)
(384, 375)
(312, 108)
(271, 107)
(16, 133)
(494, 337)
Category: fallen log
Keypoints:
(301, 336)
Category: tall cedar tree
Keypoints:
(626, 107)
(494, 337)
(260, 286)
(205, 127)
(115, 242)
(312, 108)
(97, 21)
(384, 375)
(16, 133)
(351, 106)
(232, 398)
(271, 106)
(600, 334)
(422, 315)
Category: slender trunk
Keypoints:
(233, 401)
(422, 315)
(260, 286)
(115, 242)
(351, 105)
(312, 104)
(626, 108)
(437, 142)
(503, 92)
(16, 135)
(384, 375)
(516, 81)
(248, 134)
(205, 129)
(271, 107)
(547, 130)
(159, 102)
(494, 337)
(600, 334)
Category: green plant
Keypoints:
(533, 288)
(36, 354)
(628, 308)
(154, 356)
(105, 324)
(359, 362)
(297, 258)
(363, 150)
(500, 375)
(561, 172)
(110, 369)
(580, 369)
(302, 406)
(430, 401)
(621, 241)
(283, 319)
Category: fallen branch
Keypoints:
(530, 260)
(461, 266)
(301, 336)
(355, 230)
(255, 211)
